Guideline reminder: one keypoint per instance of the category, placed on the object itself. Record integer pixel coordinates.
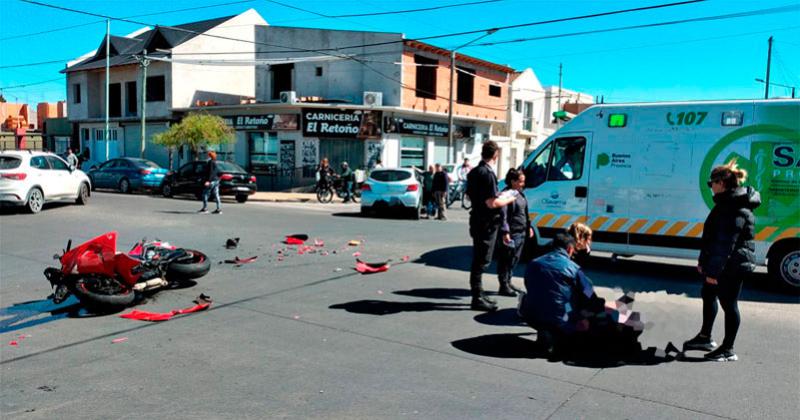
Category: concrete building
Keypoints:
(572, 102)
(171, 82)
(45, 110)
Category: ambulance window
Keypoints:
(536, 171)
(567, 163)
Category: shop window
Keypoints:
(76, 93)
(426, 76)
(225, 151)
(281, 79)
(263, 149)
(412, 152)
(115, 100)
(527, 117)
(466, 85)
(517, 105)
(130, 99)
(495, 91)
(156, 87)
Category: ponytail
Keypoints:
(730, 174)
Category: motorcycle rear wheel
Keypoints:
(96, 291)
(193, 266)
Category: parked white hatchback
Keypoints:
(31, 179)
(392, 188)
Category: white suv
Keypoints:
(31, 179)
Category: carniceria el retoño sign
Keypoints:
(262, 122)
(346, 123)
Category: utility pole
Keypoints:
(144, 62)
(560, 73)
(769, 60)
(108, 57)
(450, 127)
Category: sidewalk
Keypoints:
(282, 197)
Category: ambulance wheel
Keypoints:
(784, 265)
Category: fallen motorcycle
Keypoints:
(102, 278)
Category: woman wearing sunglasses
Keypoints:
(726, 257)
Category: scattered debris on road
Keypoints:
(202, 303)
(232, 243)
(119, 340)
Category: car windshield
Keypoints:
(9, 162)
(229, 167)
(390, 176)
(145, 163)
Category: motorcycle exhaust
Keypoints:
(150, 284)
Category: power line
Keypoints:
(395, 12)
(31, 84)
(11, 66)
(782, 9)
(127, 17)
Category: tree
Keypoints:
(194, 131)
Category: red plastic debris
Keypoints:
(13, 343)
(296, 239)
(119, 340)
(319, 243)
(357, 254)
(405, 258)
(157, 317)
(371, 268)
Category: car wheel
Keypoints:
(83, 194)
(784, 266)
(365, 211)
(241, 198)
(414, 213)
(35, 201)
(166, 190)
(124, 186)
(92, 183)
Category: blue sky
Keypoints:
(704, 60)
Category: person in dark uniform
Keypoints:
(515, 230)
(484, 221)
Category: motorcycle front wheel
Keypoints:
(102, 292)
(324, 195)
(194, 265)
(466, 203)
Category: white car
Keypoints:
(30, 179)
(392, 188)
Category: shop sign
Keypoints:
(347, 123)
(423, 128)
(262, 122)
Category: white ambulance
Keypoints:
(636, 174)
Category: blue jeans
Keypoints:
(212, 188)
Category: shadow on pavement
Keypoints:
(628, 275)
(383, 307)
(435, 293)
(388, 214)
(28, 314)
(503, 318)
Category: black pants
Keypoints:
(483, 230)
(727, 292)
(508, 256)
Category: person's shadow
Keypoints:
(28, 314)
(383, 307)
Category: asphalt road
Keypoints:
(307, 337)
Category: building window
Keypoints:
(281, 79)
(115, 100)
(495, 91)
(412, 152)
(99, 134)
(426, 77)
(318, 71)
(527, 117)
(156, 86)
(263, 151)
(85, 134)
(466, 85)
(517, 105)
(130, 99)
(76, 93)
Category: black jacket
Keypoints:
(212, 171)
(728, 234)
(440, 182)
(481, 186)
(515, 216)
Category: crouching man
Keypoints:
(570, 319)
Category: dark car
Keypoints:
(190, 179)
(127, 174)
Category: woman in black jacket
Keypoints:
(726, 257)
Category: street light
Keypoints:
(450, 127)
(778, 84)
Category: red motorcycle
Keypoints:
(102, 278)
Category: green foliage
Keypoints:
(196, 130)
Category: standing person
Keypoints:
(464, 170)
(484, 221)
(441, 183)
(427, 191)
(726, 257)
(515, 230)
(86, 155)
(72, 160)
(347, 181)
(211, 184)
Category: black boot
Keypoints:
(507, 290)
(481, 302)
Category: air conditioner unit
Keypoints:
(373, 98)
(289, 97)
